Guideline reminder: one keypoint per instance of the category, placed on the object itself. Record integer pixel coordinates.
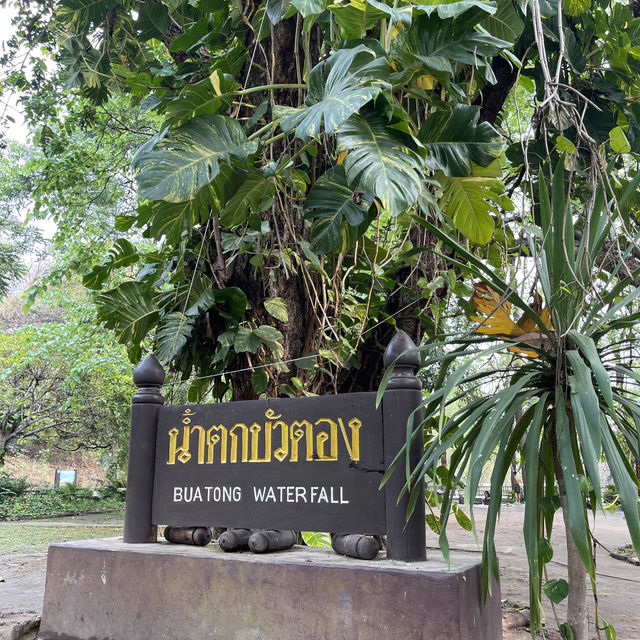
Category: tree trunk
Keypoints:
(577, 574)
(577, 616)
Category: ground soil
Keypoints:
(618, 583)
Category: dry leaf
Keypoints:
(497, 320)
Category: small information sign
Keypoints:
(65, 476)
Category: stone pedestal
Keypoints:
(108, 590)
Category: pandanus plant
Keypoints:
(569, 397)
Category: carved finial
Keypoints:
(403, 376)
(149, 376)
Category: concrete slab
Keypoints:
(107, 590)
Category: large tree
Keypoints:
(324, 173)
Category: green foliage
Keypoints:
(12, 487)
(65, 382)
(51, 503)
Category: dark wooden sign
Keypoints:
(311, 464)
(304, 463)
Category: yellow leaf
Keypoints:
(215, 81)
(426, 82)
(497, 321)
(342, 156)
(497, 311)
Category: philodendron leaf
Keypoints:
(259, 381)
(153, 20)
(470, 201)
(203, 97)
(338, 88)
(172, 335)
(382, 159)
(454, 139)
(556, 590)
(330, 201)
(506, 23)
(250, 194)
(189, 157)
(130, 311)
(122, 254)
(278, 308)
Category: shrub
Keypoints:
(12, 487)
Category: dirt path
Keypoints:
(23, 564)
(618, 582)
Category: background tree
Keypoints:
(65, 383)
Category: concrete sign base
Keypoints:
(108, 590)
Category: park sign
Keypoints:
(311, 463)
(303, 463)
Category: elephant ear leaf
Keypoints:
(330, 201)
(383, 160)
(454, 140)
(185, 160)
(338, 88)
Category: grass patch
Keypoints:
(22, 538)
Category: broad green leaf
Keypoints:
(454, 139)
(545, 550)
(130, 311)
(278, 308)
(234, 301)
(202, 98)
(316, 539)
(338, 88)
(618, 140)
(609, 631)
(309, 7)
(276, 10)
(254, 190)
(172, 335)
(506, 23)
(565, 146)
(382, 159)
(556, 590)
(453, 9)
(153, 20)
(83, 14)
(462, 518)
(330, 201)
(246, 341)
(173, 220)
(189, 157)
(433, 523)
(396, 13)
(259, 381)
(433, 44)
(356, 17)
(265, 332)
(576, 7)
(122, 254)
(191, 36)
(470, 202)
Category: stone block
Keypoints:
(108, 590)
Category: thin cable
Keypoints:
(274, 364)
